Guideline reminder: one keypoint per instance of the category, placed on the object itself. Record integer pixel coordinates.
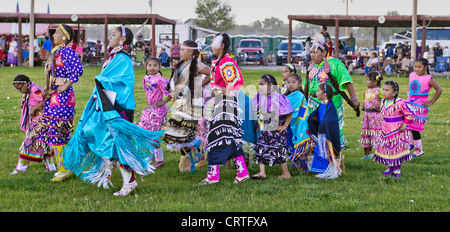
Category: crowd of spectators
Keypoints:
(9, 49)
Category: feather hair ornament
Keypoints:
(217, 42)
(140, 29)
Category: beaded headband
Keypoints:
(320, 45)
(290, 66)
(19, 82)
(64, 31)
(186, 47)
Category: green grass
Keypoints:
(422, 188)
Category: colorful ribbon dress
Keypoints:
(393, 144)
(33, 150)
(419, 86)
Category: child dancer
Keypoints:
(154, 116)
(31, 150)
(287, 71)
(224, 128)
(105, 136)
(274, 112)
(420, 83)
(323, 123)
(393, 142)
(332, 71)
(300, 144)
(65, 68)
(185, 86)
(371, 124)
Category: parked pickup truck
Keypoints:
(248, 49)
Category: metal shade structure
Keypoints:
(105, 19)
(367, 21)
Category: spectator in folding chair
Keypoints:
(394, 66)
(373, 62)
(357, 62)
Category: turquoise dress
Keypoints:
(105, 131)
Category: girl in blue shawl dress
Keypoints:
(63, 68)
(299, 142)
(105, 136)
(323, 126)
(274, 112)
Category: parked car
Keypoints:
(393, 45)
(248, 49)
(206, 55)
(92, 44)
(283, 49)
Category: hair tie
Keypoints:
(64, 31)
(124, 34)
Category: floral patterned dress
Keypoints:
(153, 117)
(371, 124)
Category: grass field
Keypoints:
(424, 186)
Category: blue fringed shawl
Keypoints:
(325, 133)
(249, 120)
(298, 139)
(103, 133)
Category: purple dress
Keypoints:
(271, 144)
(57, 119)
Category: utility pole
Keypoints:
(346, 14)
(414, 32)
(31, 42)
(150, 3)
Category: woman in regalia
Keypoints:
(105, 136)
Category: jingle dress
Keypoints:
(181, 126)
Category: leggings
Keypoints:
(416, 135)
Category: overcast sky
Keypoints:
(245, 11)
